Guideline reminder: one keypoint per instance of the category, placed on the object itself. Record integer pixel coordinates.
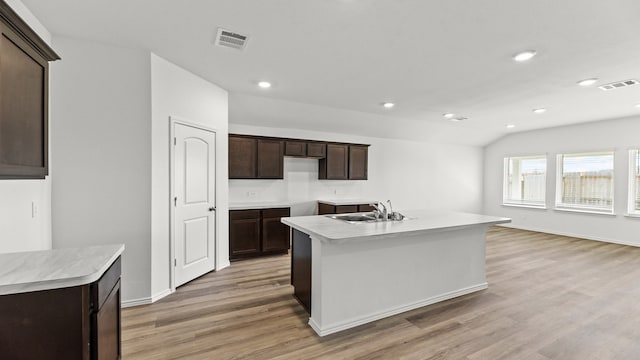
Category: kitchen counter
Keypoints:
(416, 221)
(51, 269)
(258, 205)
(349, 274)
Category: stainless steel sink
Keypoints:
(355, 218)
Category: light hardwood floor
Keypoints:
(549, 297)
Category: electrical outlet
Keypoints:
(34, 209)
(251, 194)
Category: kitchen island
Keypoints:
(348, 274)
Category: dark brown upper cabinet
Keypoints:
(336, 165)
(295, 148)
(316, 150)
(243, 157)
(270, 159)
(255, 158)
(24, 94)
(358, 162)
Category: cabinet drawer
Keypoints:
(365, 208)
(244, 214)
(272, 213)
(101, 289)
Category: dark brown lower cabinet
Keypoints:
(79, 322)
(301, 268)
(327, 209)
(257, 232)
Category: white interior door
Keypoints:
(194, 202)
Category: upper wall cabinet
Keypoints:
(258, 157)
(24, 74)
(255, 158)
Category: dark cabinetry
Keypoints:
(257, 157)
(327, 209)
(24, 73)
(301, 268)
(79, 322)
(257, 232)
(252, 158)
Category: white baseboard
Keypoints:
(394, 311)
(579, 236)
(145, 301)
(223, 264)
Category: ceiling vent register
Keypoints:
(618, 85)
(226, 38)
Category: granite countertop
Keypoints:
(52, 269)
(258, 205)
(417, 221)
(338, 202)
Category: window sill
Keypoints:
(585, 211)
(528, 206)
(633, 215)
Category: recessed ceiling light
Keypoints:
(510, 126)
(587, 82)
(388, 105)
(539, 110)
(524, 56)
(459, 118)
(264, 84)
(448, 115)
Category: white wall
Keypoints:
(180, 94)
(618, 135)
(101, 150)
(414, 175)
(20, 230)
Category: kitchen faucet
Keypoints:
(383, 212)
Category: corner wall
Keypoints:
(181, 94)
(22, 229)
(101, 146)
(617, 134)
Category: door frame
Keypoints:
(172, 193)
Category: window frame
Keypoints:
(634, 189)
(506, 201)
(581, 208)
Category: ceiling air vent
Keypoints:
(618, 84)
(230, 39)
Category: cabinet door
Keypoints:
(275, 235)
(295, 148)
(344, 209)
(242, 157)
(335, 165)
(365, 208)
(316, 150)
(244, 232)
(105, 330)
(358, 159)
(270, 159)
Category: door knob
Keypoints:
(212, 209)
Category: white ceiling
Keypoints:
(346, 57)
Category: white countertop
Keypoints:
(51, 269)
(338, 202)
(257, 205)
(418, 221)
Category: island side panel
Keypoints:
(301, 268)
(362, 280)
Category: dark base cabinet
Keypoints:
(80, 322)
(328, 209)
(301, 268)
(257, 232)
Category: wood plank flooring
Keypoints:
(549, 297)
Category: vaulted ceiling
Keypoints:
(332, 63)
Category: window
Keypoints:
(585, 182)
(634, 182)
(525, 180)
